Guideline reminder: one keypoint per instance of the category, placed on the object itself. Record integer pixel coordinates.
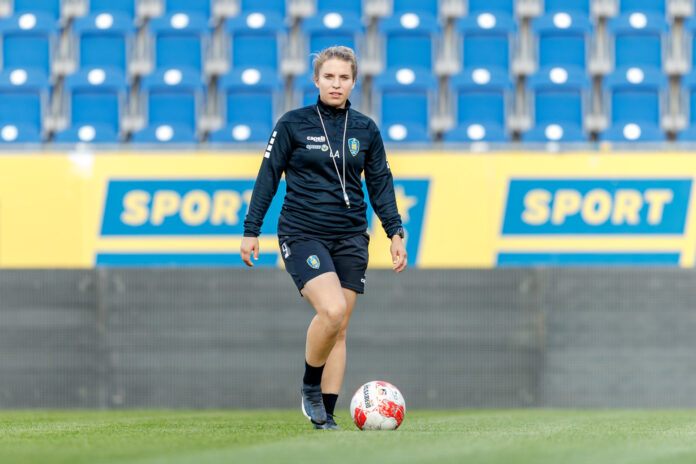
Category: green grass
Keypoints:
(490, 437)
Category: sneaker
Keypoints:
(313, 404)
(330, 424)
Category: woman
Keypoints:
(323, 149)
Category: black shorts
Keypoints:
(305, 258)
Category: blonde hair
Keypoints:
(337, 51)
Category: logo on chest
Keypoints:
(353, 146)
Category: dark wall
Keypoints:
(232, 338)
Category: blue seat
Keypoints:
(308, 92)
(485, 39)
(690, 27)
(263, 5)
(632, 131)
(165, 134)
(563, 38)
(87, 133)
(249, 96)
(406, 132)
(405, 95)
(559, 95)
(561, 132)
(19, 134)
(354, 6)
(255, 38)
(180, 40)
(126, 7)
(656, 6)
(104, 39)
(405, 6)
(23, 97)
(50, 7)
(635, 94)
(687, 135)
(689, 85)
(198, 6)
(476, 132)
(410, 39)
(582, 6)
(506, 6)
(96, 96)
(481, 96)
(173, 97)
(638, 38)
(328, 28)
(241, 133)
(27, 40)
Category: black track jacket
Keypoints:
(314, 204)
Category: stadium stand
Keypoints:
(439, 44)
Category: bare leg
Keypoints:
(325, 294)
(336, 363)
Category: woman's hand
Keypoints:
(398, 252)
(249, 245)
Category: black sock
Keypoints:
(312, 375)
(329, 402)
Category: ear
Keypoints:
(316, 82)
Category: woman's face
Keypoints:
(335, 81)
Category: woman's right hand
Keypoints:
(250, 245)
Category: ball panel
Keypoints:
(377, 405)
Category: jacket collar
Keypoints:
(331, 111)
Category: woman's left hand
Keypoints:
(398, 252)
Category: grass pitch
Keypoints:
(490, 437)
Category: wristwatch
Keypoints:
(400, 232)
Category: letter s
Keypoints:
(536, 207)
(135, 208)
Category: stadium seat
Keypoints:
(27, 40)
(559, 95)
(404, 96)
(476, 132)
(354, 6)
(329, 28)
(687, 135)
(255, 39)
(638, 38)
(50, 7)
(172, 97)
(405, 6)
(635, 94)
(126, 7)
(690, 27)
(563, 39)
(249, 96)
(582, 6)
(180, 40)
(653, 6)
(632, 131)
(485, 40)
(104, 39)
(405, 132)
(197, 6)
(308, 92)
(165, 134)
(263, 5)
(241, 133)
(19, 133)
(410, 39)
(87, 133)
(688, 83)
(554, 132)
(23, 98)
(480, 97)
(505, 6)
(96, 96)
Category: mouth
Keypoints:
(336, 94)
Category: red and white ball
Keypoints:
(378, 405)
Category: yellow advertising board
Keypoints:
(459, 209)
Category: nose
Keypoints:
(336, 83)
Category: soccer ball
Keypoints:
(377, 405)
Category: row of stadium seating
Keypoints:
(223, 71)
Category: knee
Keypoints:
(335, 314)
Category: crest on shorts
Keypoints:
(354, 146)
(313, 262)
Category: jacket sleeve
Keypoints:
(275, 160)
(380, 184)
